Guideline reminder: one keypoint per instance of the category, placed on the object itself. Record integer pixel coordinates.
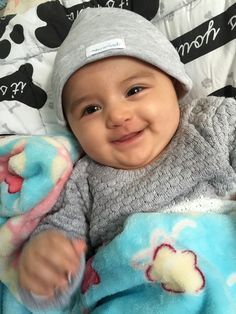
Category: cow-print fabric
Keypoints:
(33, 92)
(16, 35)
(29, 42)
(57, 25)
(5, 45)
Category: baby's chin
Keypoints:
(129, 164)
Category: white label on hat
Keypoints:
(117, 43)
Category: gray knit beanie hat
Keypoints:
(98, 33)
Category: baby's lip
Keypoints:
(127, 137)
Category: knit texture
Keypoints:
(199, 162)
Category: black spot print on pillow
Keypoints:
(146, 8)
(20, 86)
(5, 48)
(16, 35)
(73, 12)
(226, 91)
(57, 24)
(4, 21)
(5, 45)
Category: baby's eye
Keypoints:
(134, 90)
(91, 109)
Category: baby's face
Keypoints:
(123, 112)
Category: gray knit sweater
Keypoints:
(200, 161)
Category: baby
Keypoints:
(118, 82)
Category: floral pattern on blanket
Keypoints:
(163, 262)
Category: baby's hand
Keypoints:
(47, 261)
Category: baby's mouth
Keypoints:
(128, 137)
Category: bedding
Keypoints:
(141, 270)
(20, 6)
(203, 32)
(160, 262)
(3, 3)
(29, 41)
(33, 170)
(30, 34)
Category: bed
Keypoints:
(203, 32)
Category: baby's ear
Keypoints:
(178, 87)
(174, 81)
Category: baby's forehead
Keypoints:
(127, 64)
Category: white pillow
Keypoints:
(204, 33)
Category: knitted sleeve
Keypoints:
(232, 134)
(70, 213)
(69, 216)
(215, 120)
(225, 124)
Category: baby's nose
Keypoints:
(118, 116)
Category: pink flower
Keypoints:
(91, 277)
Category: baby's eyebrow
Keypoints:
(139, 75)
(76, 103)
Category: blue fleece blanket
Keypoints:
(160, 263)
(30, 183)
(165, 263)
